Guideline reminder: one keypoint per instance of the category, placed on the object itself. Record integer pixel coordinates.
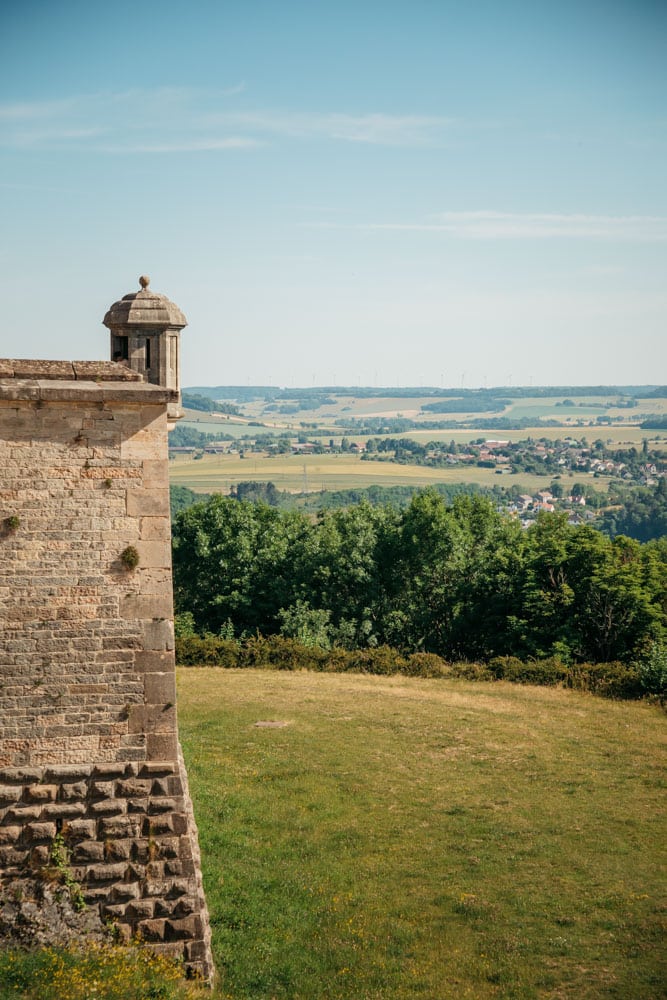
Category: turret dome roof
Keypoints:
(144, 308)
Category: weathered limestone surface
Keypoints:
(108, 371)
(88, 730)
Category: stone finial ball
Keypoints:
(144, 281)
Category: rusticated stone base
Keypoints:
(132, 842)
(35, 913)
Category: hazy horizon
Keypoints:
(419, 389)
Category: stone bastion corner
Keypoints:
(89, 752)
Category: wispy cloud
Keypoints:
(54, 136)
(377, 129)
(186, 146)
(492, 225)
(172, 120)
(163, 120)
(238, 88)
(21, 111)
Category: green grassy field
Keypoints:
(370, 838)
(219, 425)
(335, 472)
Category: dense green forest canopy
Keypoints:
(460, 580)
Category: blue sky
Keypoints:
(375, 193)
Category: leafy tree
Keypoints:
(181, 497)
(618, 610)
(338, 569)
(641, 515)
(584, 596)
(232, 560)
(309, 625)
(494, 548)
(427, 561)
(257, 492)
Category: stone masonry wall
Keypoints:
(88, 730)
(127, 827)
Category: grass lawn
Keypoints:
(404, 838)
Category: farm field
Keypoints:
(374, 838)
(583, 408)
(618, 435)
(297, 473)
(411, 406)
(207, 424)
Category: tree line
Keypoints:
(457, 579)
(639, 513)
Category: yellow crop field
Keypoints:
(294, 473)
(614, 437)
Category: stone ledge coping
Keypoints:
(73, 391)
(105, 371)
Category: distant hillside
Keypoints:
(239, 393)
(249, 393)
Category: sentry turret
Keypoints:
(145, 335)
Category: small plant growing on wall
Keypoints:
(129, 557)
(58, 872)
(11, 523)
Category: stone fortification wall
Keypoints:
(88, 732)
